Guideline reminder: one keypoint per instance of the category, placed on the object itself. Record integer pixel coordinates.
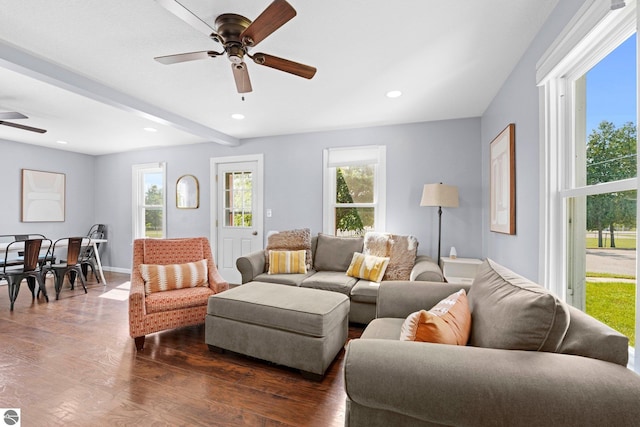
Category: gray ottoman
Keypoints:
(297, 327)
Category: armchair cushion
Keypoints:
(511, 312)
(158, 278)
(178, 299)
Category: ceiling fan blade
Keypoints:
(273, 17)
(241, 76)
(187, 16)
(12, 115)
(285, 65)
(183, 57)
(29, 128)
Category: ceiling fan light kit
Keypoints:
(237, 35)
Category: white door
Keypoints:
(238, 212)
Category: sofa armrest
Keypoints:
(472, 386)
(426, 269)
(251, 265)
(400, 298)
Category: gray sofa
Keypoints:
(331, 258)
(498, 379)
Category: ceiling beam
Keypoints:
(26, 63)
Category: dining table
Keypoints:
(85, 242)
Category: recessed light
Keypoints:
(237, 116)
(394, 94)
(151, 129)
(62, 142)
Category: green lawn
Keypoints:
(622, 242)
(613, 303)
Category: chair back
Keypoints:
(97, 231)
(73, 245)
(31, 249)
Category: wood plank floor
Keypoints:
(71, 362)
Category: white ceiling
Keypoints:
(84, 69)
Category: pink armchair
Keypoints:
(169, 309)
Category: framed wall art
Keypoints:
(502, 182)
(43, 196)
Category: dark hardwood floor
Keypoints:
(71, 362)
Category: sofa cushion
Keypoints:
(158, 278)
(290, 240)
(365, 291)
(511, 312)
(368, 267)
(287, 262)
(448, 322)
(335, 281)
(335, 253)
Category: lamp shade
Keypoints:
(442, 195)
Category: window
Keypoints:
(149, 200)
(238, 199)
(589, 208)
(354, 190)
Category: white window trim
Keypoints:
(328, 174)
(137, 201)
(594, 29)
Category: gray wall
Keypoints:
(80, 185)
(417, 154)
(517, 102)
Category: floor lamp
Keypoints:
(439, 195)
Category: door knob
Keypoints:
(255, 233)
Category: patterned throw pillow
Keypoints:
(290, 240)
(367, 267)
(158, 278)
(448, 322)
(288, 262)
(401, 250)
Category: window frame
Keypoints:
(138, 198)
(354, 156)
(594, 32)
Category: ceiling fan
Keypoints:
(237, 35)
(12, 115)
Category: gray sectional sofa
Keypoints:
(531, 360)
(331, 258)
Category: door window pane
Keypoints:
(238, 196)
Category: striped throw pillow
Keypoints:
(288, 262)
(159, 278)
(368, 267)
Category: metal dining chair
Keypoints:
(69, 266)
(88, 252)
(31, 267)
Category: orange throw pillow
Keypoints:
(448, 322)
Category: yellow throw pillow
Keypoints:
(288, 262)
(368, 267)
(158, 278)
(448, 322)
